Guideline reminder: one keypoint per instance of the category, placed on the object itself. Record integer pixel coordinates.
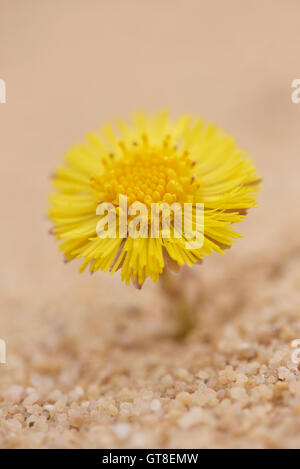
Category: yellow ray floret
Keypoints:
(152, 160)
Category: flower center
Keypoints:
(147, 174)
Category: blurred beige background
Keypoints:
(70, 65)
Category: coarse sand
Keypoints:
(83, 371)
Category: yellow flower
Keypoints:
(153, 160)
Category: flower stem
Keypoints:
(173, 289)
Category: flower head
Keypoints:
(152, 162)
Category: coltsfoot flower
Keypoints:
(152, 161)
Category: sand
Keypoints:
(92, 363)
